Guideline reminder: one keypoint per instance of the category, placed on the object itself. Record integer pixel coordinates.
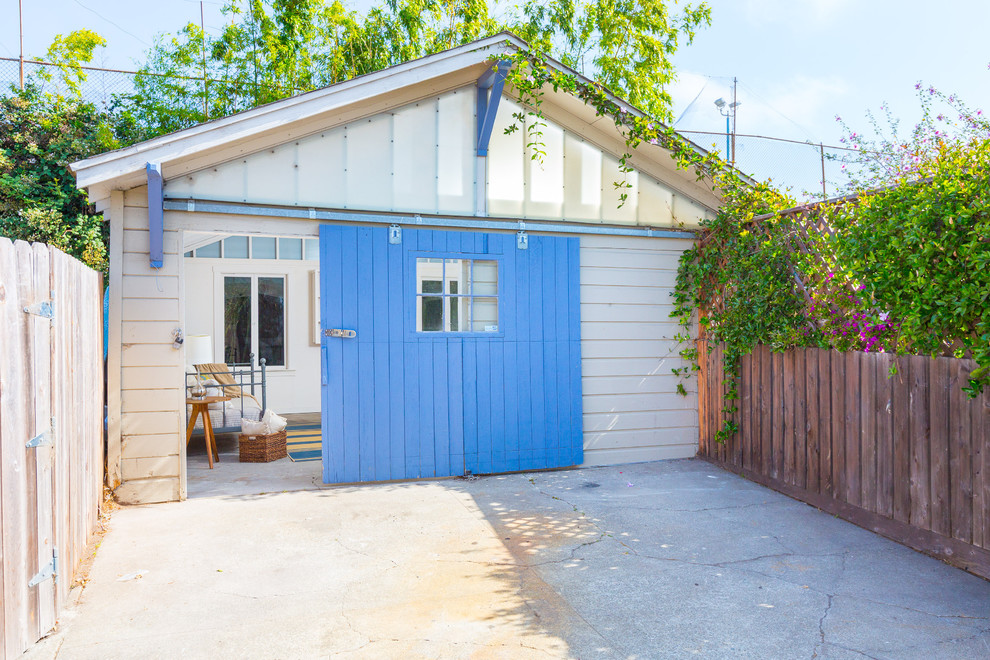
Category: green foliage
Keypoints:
(899, 269)
(40, 134)
(68, 53)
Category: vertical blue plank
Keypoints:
(441, 407)
(524, 341)
(497, 394)
(382, 421)
(365, 286)
(365, 328)
(332, 402)
(455, 425)
(470, 366)
(412, 413)
(380, 285)
(574, 321)
(427, 437)
(538, 449)
(397, 387)
(380, 309)
(484, 394)
(535, 271)
(510, 388)
(554, 304)
(349, 353)
(508, 297)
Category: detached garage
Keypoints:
(396, 262)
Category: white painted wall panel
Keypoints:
(415, 155)
(686, 212)
(321, 170)
(271, 175)
(631, 409)
(582, 180)
(456, 127)
(616, 183)
(506, 164)
(576, 180)
(656, 204)
(417, 158)
(368, 145)
(545, 191)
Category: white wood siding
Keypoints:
(152, 439)
(631, 409)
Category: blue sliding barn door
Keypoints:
(465, 359)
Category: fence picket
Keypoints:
(901, 440)
(960, 454)
(883, 410)
(787, 418)
(939, 447)
(920, 441)
(825, 412)
(867, 436)
(800, 419)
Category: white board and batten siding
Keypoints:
(420, 158)
(632, 412)
(151, 400)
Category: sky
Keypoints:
(799, 63)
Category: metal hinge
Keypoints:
(337, 332)
(43, 438)
(50, 570)
(43, 309)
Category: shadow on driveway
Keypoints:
(670, 559)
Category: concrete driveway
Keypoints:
(672, 559)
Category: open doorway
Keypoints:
(251, 319)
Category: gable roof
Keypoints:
(250, 131)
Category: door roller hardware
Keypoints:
(338, 332)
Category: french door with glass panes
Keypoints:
(251, 319)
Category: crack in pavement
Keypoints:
(821, 628)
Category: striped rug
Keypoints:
(304, 442)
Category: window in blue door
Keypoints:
(456, 295)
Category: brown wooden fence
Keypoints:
(906, 456)
(51, 433)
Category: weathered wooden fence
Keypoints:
(906, 456)
(51, 433)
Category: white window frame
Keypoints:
(254, 272)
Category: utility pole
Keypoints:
(821, 145)
(728, 110)
(206, 92)
(20, 20)
(734, 106)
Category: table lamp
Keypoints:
(199, 350)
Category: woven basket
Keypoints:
(262, 448)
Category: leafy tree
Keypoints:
(271, 50)
(41, 132)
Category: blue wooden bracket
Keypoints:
(492, 80)
(156, 222)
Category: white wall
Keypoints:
(150, 380)
(631, 409)
(294, 388)
(417, 158)
(575, 180)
